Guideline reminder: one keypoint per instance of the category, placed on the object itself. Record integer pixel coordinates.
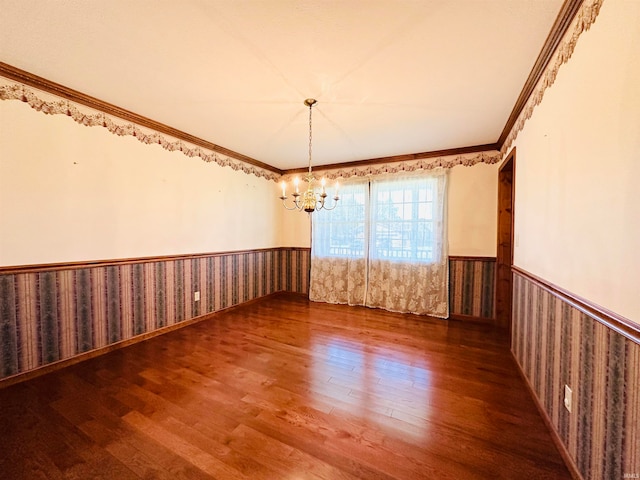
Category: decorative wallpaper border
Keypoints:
(18, 91)
(52, 99)
(582, 22)
(444, 161)
(80, 114)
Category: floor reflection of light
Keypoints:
(384, 386)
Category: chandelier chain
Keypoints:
(310, 136)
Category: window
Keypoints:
(402, 220)
(385, 245)
(342, 232)
(394, 219)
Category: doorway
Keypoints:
(504, 259)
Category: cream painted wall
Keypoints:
(473, 193)
(577, 169)
(295, 228)
(473, 210)
(74, 193)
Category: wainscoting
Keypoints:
(472, 288)
(54, 313)
(557, 344)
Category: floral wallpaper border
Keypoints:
(52, 104)
(446, 161)
(582, 22)
(83, 115)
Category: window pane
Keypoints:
(341, 232)
(402, 219)
(397, 225)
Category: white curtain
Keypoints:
(388, 248)
(408, 259)
(339, 248)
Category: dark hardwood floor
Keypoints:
(285, 389)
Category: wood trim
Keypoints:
(562, 449)
(461, 317)
(75, 96)
(612, 320)
(471, 258)
(566, 15)
(503, 284)
(559, 28)
(60, 364)
(128, 261)
(399, 158)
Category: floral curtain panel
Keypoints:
(339, 248)
(387, 248)
(408, 259)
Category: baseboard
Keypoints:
(54, 366)
(470, 318)
(285, 293)
(562, 449)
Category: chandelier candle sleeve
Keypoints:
(310, 201)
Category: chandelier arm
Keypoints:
(289, 208)
(324, 207)
(309, 200)
(295, 205)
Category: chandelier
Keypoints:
(310, 201)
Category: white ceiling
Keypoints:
(391, 77)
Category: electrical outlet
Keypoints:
(567, 397)
(196, 296)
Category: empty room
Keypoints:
(309, 239)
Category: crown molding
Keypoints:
(410, 157)
(367, 169)
(575, 18)
(568, 12)
(555, 51)
(566, 15)
(25, 78)
(66, 102)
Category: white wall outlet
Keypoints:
(567, 398)
(196, 296)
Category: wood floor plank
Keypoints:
(285, 388)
